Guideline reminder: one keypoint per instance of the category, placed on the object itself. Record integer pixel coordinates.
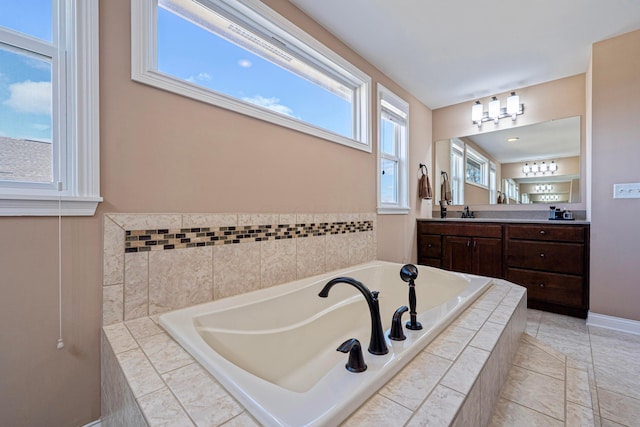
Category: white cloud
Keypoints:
(201, 77)
(30, 97)
(270, 103)
(245, 63)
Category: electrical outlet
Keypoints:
(626, 191)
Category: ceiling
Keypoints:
(541, 141)
(447, 52)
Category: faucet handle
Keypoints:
(396, 333)
(356, 360)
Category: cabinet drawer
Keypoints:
(547, 256)
(558, 233)
(430, 246)
(475, 229)
(549, 287)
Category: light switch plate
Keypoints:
(626, 191)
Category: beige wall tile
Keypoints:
(180, 278)
(470, 413)
(147, 221)
(490, 384)
(162, 409)
(242, 420)
(472, 318)
(488, 335)
(209, 220)
(358, 248)
(236, 269)
(310, 256)
(337, 251)
(277, 262)
(465, 370)
(305, 219)
(257, 219)
(136, 285)
(112, 304)
(287, 219)
(113, 258)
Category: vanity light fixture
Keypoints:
(541, 168)
(496, 112)
(494, 109)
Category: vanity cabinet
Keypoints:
(550, 260)
(468, 248)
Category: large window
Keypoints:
(48, 107)
(244, 57)
(493, 191)
(393, 141)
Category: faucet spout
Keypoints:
(377, 344)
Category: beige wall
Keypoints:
(615, 242)
(164, 153)
(551, 100)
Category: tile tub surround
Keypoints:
(155, 263)
(455, 380)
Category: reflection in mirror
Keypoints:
(538, 163)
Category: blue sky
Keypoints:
(25, 81)
(185, 51)
(191, 53)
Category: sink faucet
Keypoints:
(466, 213)
(377, 344)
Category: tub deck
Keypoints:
(461, 373)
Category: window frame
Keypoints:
(396, 107)
(483, 162)
(75, 190)
(457, 174)
(144, 69)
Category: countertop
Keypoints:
(508, 220)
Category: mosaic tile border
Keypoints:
(167, 239)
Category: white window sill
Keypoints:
(48, 206)
(393, 211)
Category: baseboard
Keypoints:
(615, 323)
(95, 423)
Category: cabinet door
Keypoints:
(457, 254)
(486, 256)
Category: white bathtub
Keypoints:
(275, 349)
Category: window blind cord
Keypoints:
(60, 344)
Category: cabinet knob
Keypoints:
(429, 245)
(542, 232)
(542, 285)
(541, 255)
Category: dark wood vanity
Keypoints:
(550, 259)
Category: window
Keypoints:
(477, 168)
(244, 57)
(511, 190)
(49, 107)
(457, 172)
(493, 194)
(393, 145)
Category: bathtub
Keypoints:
(275, 349)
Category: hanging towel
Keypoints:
(445, 188)
(424, 186)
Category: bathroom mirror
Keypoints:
(538, 163)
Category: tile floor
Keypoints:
(609, 359)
